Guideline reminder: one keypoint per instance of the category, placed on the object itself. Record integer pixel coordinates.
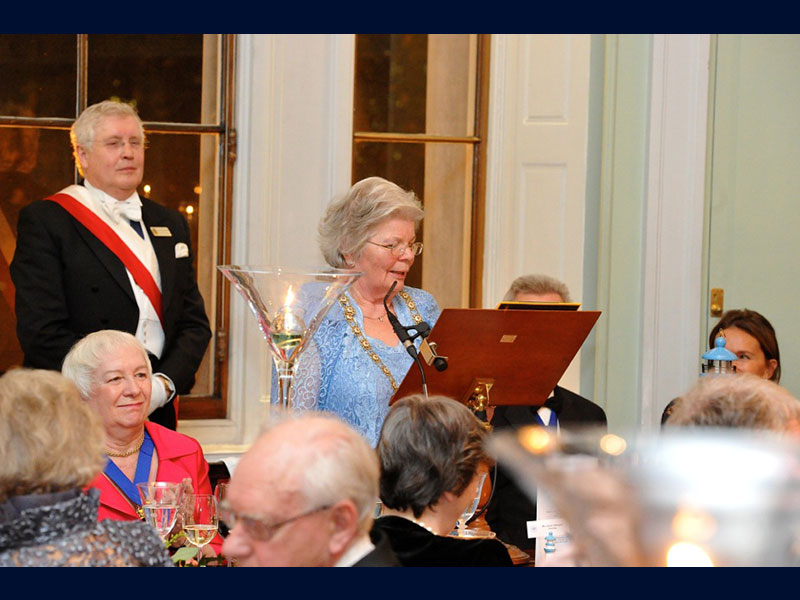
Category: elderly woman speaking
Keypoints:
(113, 374)
(357, 361)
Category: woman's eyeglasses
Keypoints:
(399, 249)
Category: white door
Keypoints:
(536, 171)
(754, 235)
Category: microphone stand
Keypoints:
(406, 338)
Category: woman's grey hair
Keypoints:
(85, 126)
(87, 354)
(349, 221)
(537, 284)
(334, 462)
(428, 447)
(741, 401)
(50, 439)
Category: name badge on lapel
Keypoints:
(161, 231)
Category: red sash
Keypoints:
(113, 242)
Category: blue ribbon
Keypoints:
(127, 486)
(551, 421)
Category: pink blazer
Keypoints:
(179, 456)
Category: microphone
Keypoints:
(400, 331)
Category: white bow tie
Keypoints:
(130, 209)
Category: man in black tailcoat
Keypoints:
(97, 256)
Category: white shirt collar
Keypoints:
(356, 551)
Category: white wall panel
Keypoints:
(294, 123)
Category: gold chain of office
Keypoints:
(350, 317)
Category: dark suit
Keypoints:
(68, 284)
(510, 508)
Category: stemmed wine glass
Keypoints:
(200, 520)
(461, 523)
(161, 501)
(221, 493)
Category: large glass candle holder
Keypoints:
(288, 305)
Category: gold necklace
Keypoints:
(350, 317)
(127, 452)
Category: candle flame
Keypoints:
(535, 440)
(613, 444)
(289, 298)
(685, 554)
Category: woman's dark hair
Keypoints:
(756, 325)
(428, 447)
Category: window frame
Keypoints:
(213, 405)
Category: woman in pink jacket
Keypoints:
(112, 371)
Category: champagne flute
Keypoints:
(461, 522)
(222, 490)
(161, 501)
(221, 493)
(200, 520)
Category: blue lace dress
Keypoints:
(335, 373)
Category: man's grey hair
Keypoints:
(334, 462)
(85, 126)
(740, 401)
(87, 354)
(537, 284)
(349, 221)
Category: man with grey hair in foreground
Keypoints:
(741, 401)
(305, 495)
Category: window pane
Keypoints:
(415, 83)
(171, 175)
(390, 82)
(163, 74)
(39, 74)
(33, 164)
(181, 173)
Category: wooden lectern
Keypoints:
(498, 357)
